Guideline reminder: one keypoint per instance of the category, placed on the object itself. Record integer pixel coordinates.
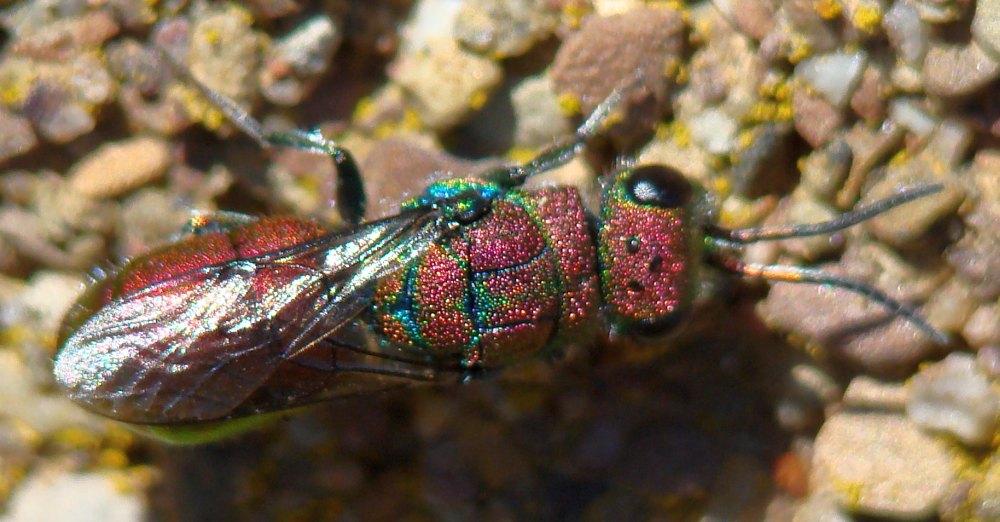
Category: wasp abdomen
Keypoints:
(506, 286)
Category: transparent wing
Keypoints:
(200, 345)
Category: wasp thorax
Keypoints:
(648, 249)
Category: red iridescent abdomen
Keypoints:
(521, 278)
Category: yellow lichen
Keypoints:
(851, 491)
(867, 19)
(680, 133)
(478, 99)
(801, 48)
(15, 83)
(745, 139)
(9, 479)
(827, 9)
(570, 104)
(722, 186)
(78, 438)
(364, 109)
(521, 154)
(112, 458)
(573, 13)
(411, 120)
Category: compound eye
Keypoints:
(658, 186)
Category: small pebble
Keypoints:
(939, 11)
(906, 31)
(298, 59)
(430, 20)
(864, 392)
(754, 17)
(539, 121)
(607, 51)
(56, 495)
(802, 208)
(504, 28)
(880, 465)
(816, 119)
(951, 70)
(16, 135)
(834, 75)
(951, 305)
(117, 168)
(223, 52)
(983, 327)
(47, 298)
(445, 82)
(868, 100)
(986, 27)
(909, 113)
(825, 170)
(900, 226)
(714, 130)
(956, 398)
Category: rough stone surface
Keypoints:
(117, 168)
(815, 118)
(445, 82)
(16, 135)
(833, 75)
(986, 26)
(951, 70)
(504, 28)
(882, 465)
(955, 397)
(607, 51)
(81, 497)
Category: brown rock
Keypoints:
(755, 18)
(608, 51)
(868, 100)
(815, 119)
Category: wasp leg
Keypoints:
(798, 274)
(561, 153)
(201, 223)
(350, 197)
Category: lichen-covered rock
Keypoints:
(504, 28)
(445, 83)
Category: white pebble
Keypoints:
(955, 397)
(714, 130)
(834, 75)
